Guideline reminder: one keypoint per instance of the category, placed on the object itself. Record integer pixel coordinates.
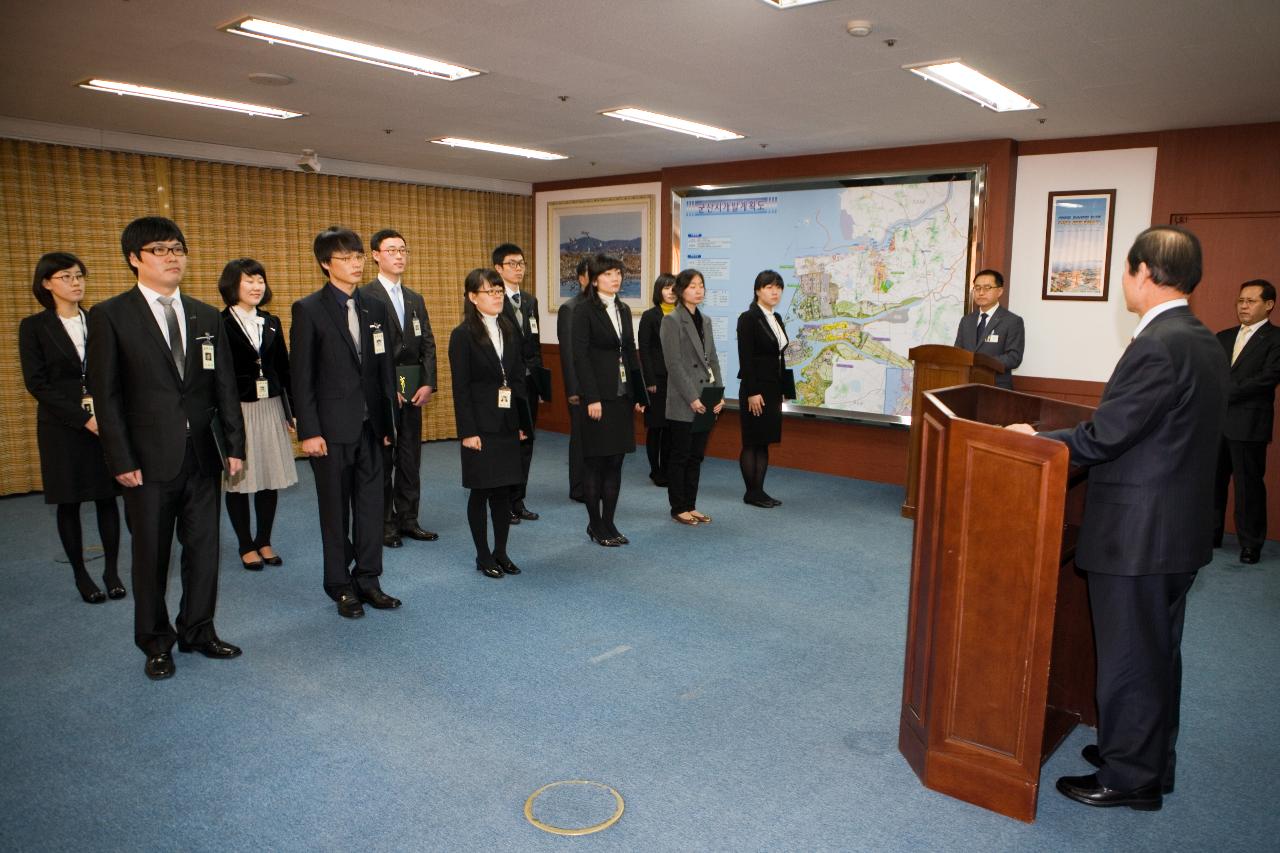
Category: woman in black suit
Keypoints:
(657, 436)
(611, 386)
(489, 408)
(261, 364)
(52, 346)
(761, 341)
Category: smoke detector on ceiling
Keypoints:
(858, 29)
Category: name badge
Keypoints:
(206, 356)
(379, 343)
(622, 372)
(417, 328)
(263, 390)
(533, 325)
(504, 397)
(86, 403)
(993, 339)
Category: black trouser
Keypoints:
(687, 450)
(600, 489)
(401, 478)
(526, 450)
(658, 448)
(69, 534)
(1137, 625)
(499, 503)
(349, 495)
(576, 463)
(264, 507)
(1246, 463)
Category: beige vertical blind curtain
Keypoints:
(78, 200)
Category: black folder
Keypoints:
(711, 396)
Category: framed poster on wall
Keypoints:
(1077, 245)
(621, 227)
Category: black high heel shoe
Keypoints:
(115, 589)
(606, 541)
(504, 563)
(489, 571)
(89, 591)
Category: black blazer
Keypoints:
(405, 347)
(244, 358)
(144, 409)
(1153, 447)
(51, 369)
(528, 325)
(1010, 336)
(1251, 396)
(655, 370)
(332, 386)
(473, 363)
(597, 350)
(760, 360)
(564, 334)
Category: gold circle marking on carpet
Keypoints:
(562, 830)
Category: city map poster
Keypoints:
(1077, 253)
(621, 227)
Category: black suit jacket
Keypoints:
(1010, 336)
(528, 325)
(564, 334)
(597, 350)
(1251, 396)
(650, 346)
(144, 409)
(477, 376)
(244, 358)
(405, 347)
(1153, 446)
(333, 388)
(760, 360)
(51, 369)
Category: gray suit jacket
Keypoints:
(1006, 327)
(690, 364)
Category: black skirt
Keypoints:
(655, 414)
(72, 465)
(766, 428)
(614, 433)
(496, 464)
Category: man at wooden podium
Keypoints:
(1151, 448)
(991, 329)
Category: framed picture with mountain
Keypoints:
(621, 227)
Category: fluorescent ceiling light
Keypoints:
(679, 125)
(531, 153)
(787, 4)
(974, 85)
(185, 98)
(269, 31)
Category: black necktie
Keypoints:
(982, 328)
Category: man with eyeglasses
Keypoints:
(522, 307)
(412, 349)
(164, 393)
(344, 400)
(1253, 348)
(991, 329)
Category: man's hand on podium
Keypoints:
(1025, 429)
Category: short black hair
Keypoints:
(1268, 289)
(49, 265)
(229, 281)
(335, 239)
(993, 273)
(765, 278)
(684, 279)
(661, 283)
(385, 234)
(144, 230)
(500, 254)
(1172, 256)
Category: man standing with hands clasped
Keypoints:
(412, 348)
(1151, 448)
(991, 329)
(522, 308)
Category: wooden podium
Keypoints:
(999, 659)
(939, 366)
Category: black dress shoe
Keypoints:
(214, 648)
(525, 513)
(378, 600)
(115, 589)
(774, 502)
(252, 565)
(620, 539)
(349, 606)
(392, 540)
(159, 667)
(1091, 792)
(489, 570)
(418, 533)
(273, 560)
(579, 498)
(1250, 556)
(1091, 754)
(763, 503)
(508, 567)
(95, 596)
(515, 517)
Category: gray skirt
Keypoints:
(268, 460)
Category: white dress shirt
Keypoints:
(396, 291)
(495, 333)
(157, 311)
(611, 309)
(76, 330)
(251, 323)
(1156, 312)
(773, 324)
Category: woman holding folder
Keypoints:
(261, 365)
(761, 341)
(657, 436)
(693, 373)
(611, 386)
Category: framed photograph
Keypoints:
(621, 227)
(1077, 245)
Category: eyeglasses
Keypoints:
(984, 288)
(396, 250)
(354, 258)
(68, 277)
(515, 265)
(178, 251)
(489, 291)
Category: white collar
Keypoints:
(1255, 326)
(607, 299)
(388, 283)
(509, 291)
(1156, 312)
(152, 295)
(251, 314)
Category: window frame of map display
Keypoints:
(624, 228)
(1077, 245)
(840, 363)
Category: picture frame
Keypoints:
(1077, 245)
(620, 226)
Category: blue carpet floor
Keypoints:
(737, 684)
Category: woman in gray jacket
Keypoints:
(689, 353)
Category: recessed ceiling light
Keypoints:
(974, 85)
(270, 31)
(185, 98)
(788, 4)
(679, 125)
(496, 148)
(266, 78)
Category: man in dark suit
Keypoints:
(991, 329)
(564, 334)
(522, 307)
(1151, 448)
(411, 345)
(344, 399)
(165, 397)
(1254, 350)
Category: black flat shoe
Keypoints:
(1091, 754)
(774, 502)
(515, 518)
(115, 589)
(252, 565)
(763, 503)
(378, 600)
(508, 567)
(214, 648)
(1250, 556)
(96, 596)
(1091, 792)
(489, 571)
(160, 667)
(273, 560)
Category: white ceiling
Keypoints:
(793, 81)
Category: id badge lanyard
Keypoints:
(86, 400)
(261, 388)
